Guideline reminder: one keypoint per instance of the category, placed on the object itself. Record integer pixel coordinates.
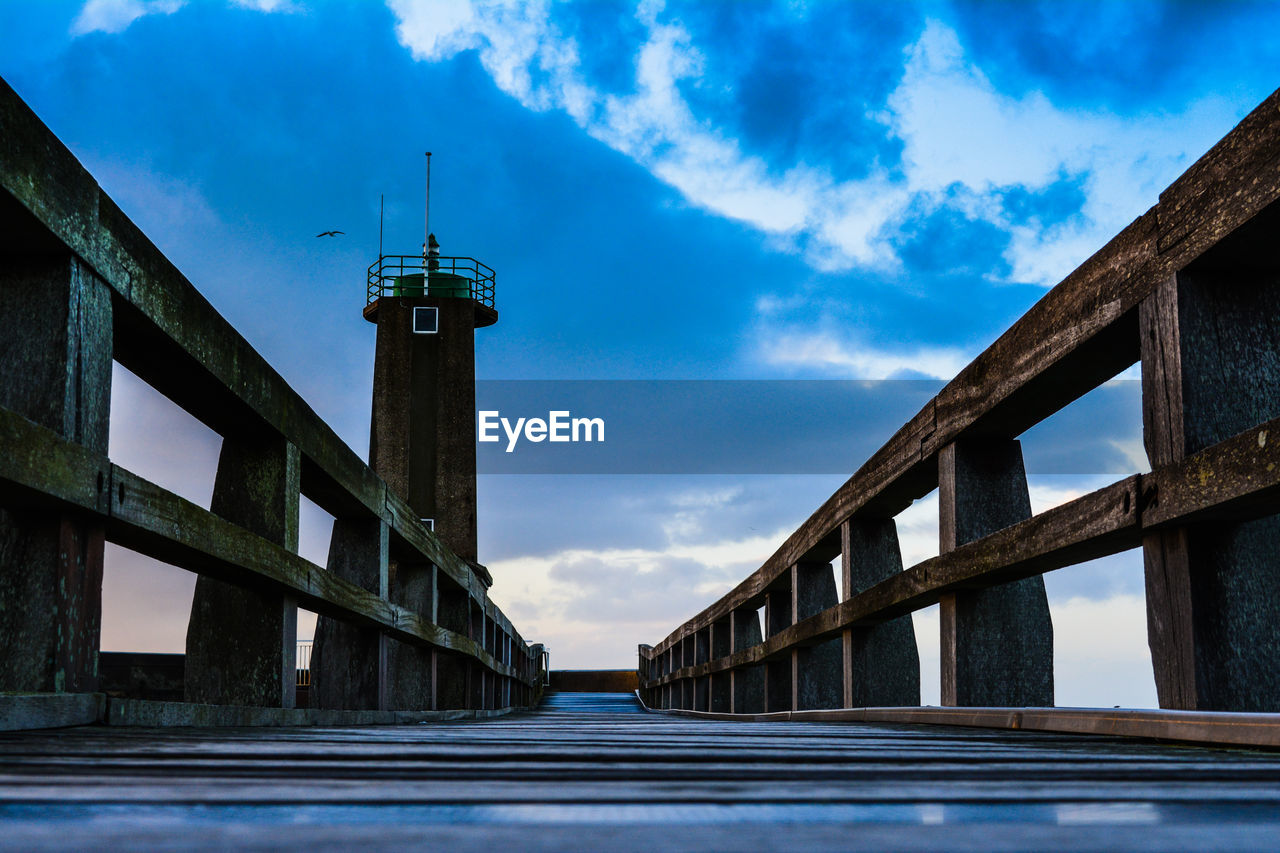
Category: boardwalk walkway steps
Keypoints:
(592, 771)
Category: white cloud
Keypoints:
(963, 140)
(961, 137)
(689, 510)
(531, 60)
(114, 16)
(825, 352)
(959, 131)
(266, 5)
(1101, 656)
(592, 606)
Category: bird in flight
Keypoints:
(330, 233)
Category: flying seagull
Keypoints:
(330, 233)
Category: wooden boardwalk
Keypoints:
(592, 771)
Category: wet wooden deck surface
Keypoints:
(591, 771)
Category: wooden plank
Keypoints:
(146, 713)
(159, 524)
(1166, 565)
(25, 711)
(73, 478)
(423, 545)
(1238, 478)
(1221, 728)
(1232, 182)
(38, 171)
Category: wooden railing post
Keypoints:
(410, 668)
(686, 684)
(509, 657)
(670, 664)
(489, 678)
(748, 681)
(1211, 369)
(779, 674)
(721, 682)
(817, 668)
(997, 643)
(475, 675)
(702, 685)
(881, 662)
(57, 349)
(453, 612)
(675, 659)
(349, 662)
(647, 669)
(242, 643)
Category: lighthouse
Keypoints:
(422, 438)
(422, 443)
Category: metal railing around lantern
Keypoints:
(412, 275)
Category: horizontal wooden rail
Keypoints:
(1238, 478)
(1080, 334)
(45, 470)
(1189, 289)
(1218, 728)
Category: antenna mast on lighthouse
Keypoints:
(426, 216)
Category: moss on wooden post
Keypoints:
(56, 349)
(1210, 370)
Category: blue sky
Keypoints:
(713, 190)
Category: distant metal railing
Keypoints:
(406, 275)
(303, 664)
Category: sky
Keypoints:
(781, 192)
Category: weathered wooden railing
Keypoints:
(1191, 289)
(80, 286)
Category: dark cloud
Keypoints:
(1130, 56)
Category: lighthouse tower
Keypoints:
(422, 439)
(422, 443)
